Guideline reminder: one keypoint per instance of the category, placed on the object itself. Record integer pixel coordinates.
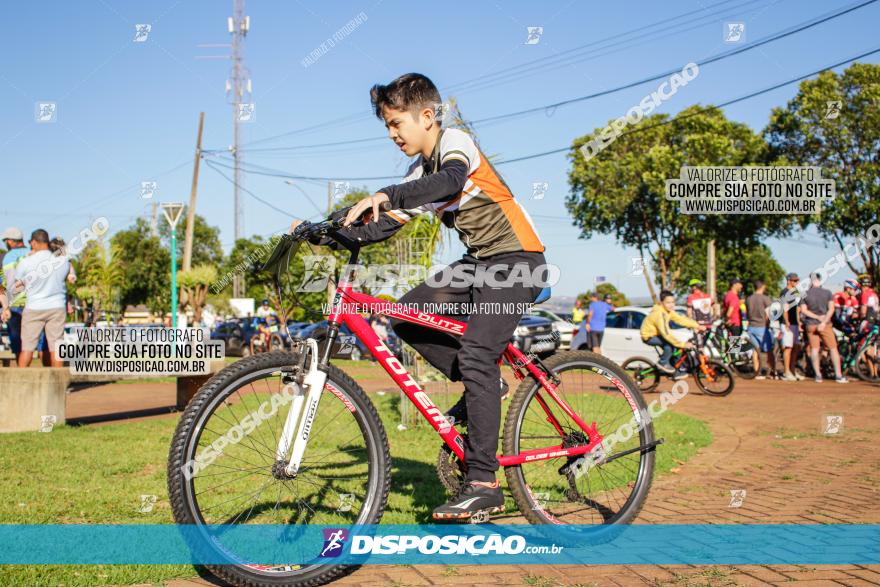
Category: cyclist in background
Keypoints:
(846, 307)
(699, 304)
(655, 331)
(869, 303)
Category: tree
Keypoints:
(206, 241)
(834, 123)
(621, 191)
(618, 298)
(146, 268)
(745, 263)
(100, 277)
(194, 285)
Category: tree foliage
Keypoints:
(206, 249)
(747, 263)
(834, 123)
(146, 268)
(621, 191)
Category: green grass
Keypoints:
(90, 475)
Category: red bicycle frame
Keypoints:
(346, 299)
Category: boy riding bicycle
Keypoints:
(453, 179)
(655, 331)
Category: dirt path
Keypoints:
(769, 441)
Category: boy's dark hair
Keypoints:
(758, 284)
(410, 92)
(40, 236)
(666, 294)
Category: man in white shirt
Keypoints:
(43, 276)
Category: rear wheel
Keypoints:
(596, 488)
(714, 378)
(644, 372)
(344, 477)
(866, 365)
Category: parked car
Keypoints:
(236, 335)
(565, 327)
(537, 335)
(622, 340)
(356, 350)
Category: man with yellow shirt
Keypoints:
(655, 329)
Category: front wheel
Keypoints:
(644, 372)
(608, 485)
(714, 378)
(223, 468)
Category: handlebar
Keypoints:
(307, 230)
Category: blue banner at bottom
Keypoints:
(291, 545)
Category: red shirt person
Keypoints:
(731, 311)
(699, 304)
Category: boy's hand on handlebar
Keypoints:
(293, 226)
(370, 203)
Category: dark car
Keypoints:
(355, 349)
(537, 335)
(236, 335)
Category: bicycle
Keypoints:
(734, 351)
(320, 453)
(270, 339)
(857, 350)
(713, 377)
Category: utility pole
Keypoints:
(154, 221)
(710, 270)
(191, 211)
(238, 25)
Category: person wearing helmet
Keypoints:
(699, 304)
(846, 307)
(869, 303)
(265, 310)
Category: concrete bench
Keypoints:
(27, 395)
(189, 385)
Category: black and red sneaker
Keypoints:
(472, 498)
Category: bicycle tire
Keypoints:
(558, 363)
(719, 367)
(186, 438)
(646, 381)
(861, 370)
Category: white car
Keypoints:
(622, 340)
(566, 329)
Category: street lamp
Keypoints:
(172, 213)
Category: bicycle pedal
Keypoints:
(477, 517)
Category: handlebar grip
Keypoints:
(385, 206)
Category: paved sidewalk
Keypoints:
(769, 441)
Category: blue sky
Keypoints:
(127, 112)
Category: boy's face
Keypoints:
(669, 303)
(410, 132)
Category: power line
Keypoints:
(721, 105)
(212, 164)
(284, 175)
(713, 59)
(561, 60)
(553, 106)
(267, 171)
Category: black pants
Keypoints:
(473, 357)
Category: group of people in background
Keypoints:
(811, 317)
(33, 293)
